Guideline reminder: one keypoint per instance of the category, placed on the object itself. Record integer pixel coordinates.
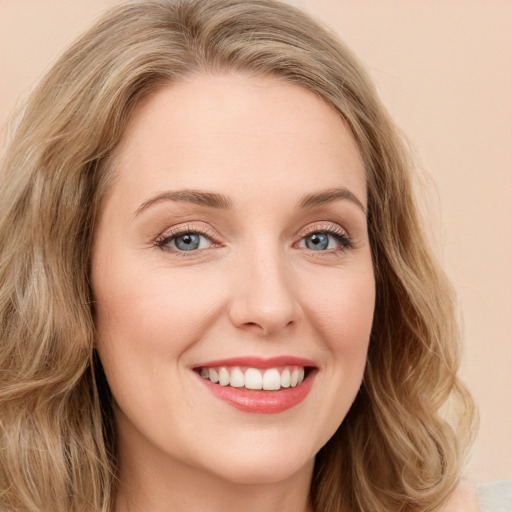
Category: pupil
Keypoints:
(187, 242)
(317, 241)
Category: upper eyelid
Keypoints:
(322, 226)
(175, 231)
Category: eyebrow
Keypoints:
(328, 196)
(220, 201)
(210, 199)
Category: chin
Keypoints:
(264, 463)
(270, 472)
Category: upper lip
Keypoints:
(258, 362)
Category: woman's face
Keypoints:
(233, 247)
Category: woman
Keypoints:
(214, 277)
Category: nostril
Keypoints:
(252, 326)
(265, 328)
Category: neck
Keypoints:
(151, 483)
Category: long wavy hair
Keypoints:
(397, 450)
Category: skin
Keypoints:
(464, 499)
(253, 288)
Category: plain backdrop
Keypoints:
(444, 69)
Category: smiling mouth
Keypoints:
(248, 378)
(259, 385)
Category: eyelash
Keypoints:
(340, 236)
(162, 241)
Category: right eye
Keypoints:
(185, 241)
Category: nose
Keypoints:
(264, 299)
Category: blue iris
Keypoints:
(187, 242)
(317, 241)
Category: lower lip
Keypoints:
(261, 402)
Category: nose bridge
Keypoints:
(264, 298)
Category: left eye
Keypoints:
(322, 241)
(189, 241)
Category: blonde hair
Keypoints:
(395, 450)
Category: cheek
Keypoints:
(342, 311)
(341, 314)
(146, 322)
(153, 312)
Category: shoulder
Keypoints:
(488, 497)
(495, 496)
(463, 499)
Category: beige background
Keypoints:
(444, 68)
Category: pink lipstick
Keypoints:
(258, 385)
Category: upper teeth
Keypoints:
(271, 379)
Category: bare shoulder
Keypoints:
(463, 499)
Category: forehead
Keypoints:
(235, 130)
